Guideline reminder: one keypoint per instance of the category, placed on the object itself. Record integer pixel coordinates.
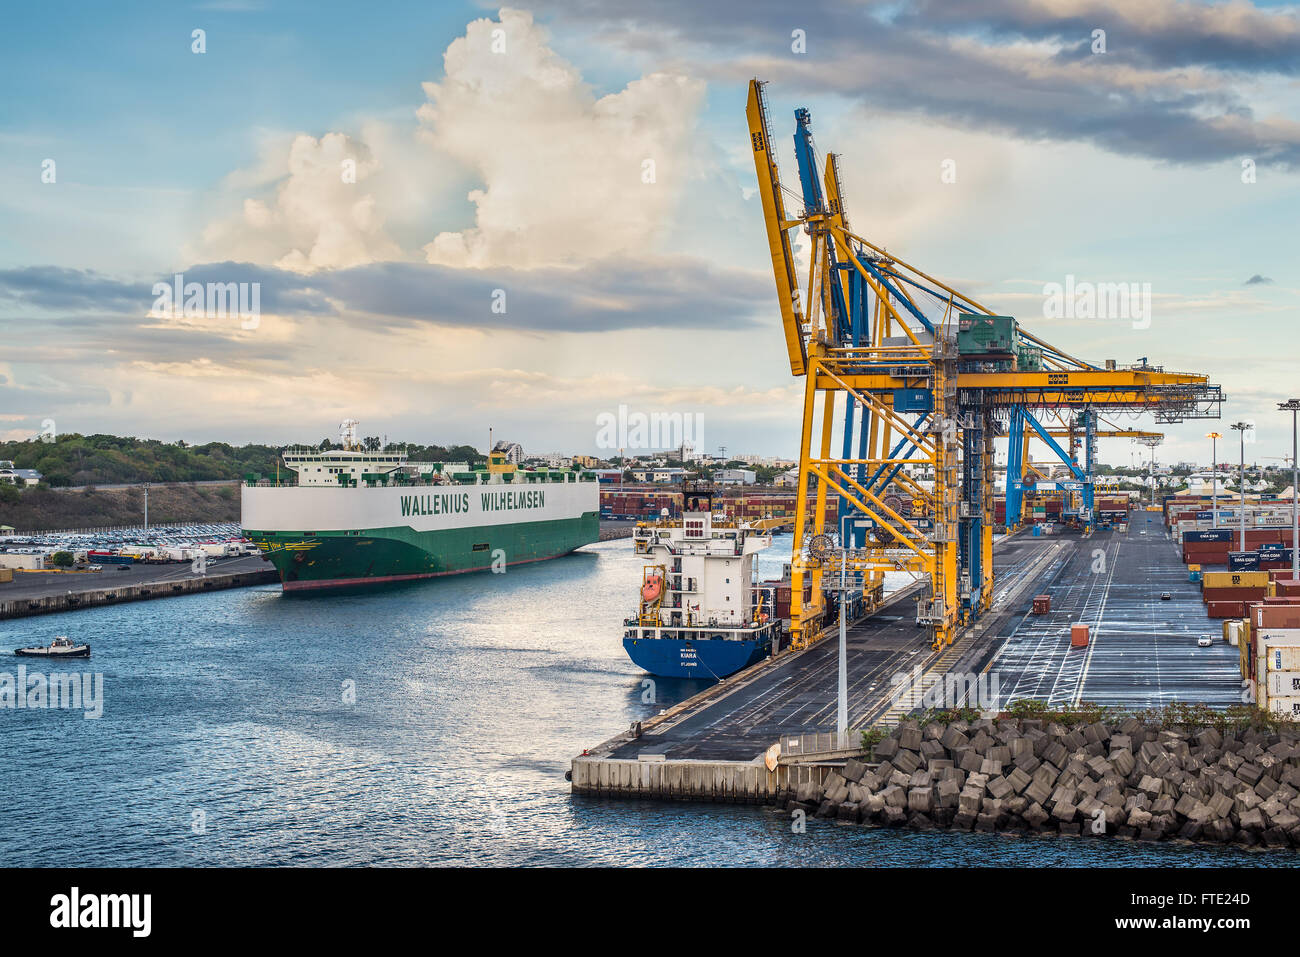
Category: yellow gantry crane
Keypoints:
(907, 382)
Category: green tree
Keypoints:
(62, 559)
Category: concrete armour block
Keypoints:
(1123, 762)
(953, 739)
(893, 816)
(1029, 763)
(1037, 792)
(1035, 815)
(1151, 786)
(920, 800)
(1018, 780)
(1251, 820)
(1055, 753)
(969, 760)
(1064, 811)
(907, 761)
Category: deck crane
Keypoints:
(920, 379)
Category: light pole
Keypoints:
(842, 707)
(146, 511)
(1293, 406)
(1214, 475)
(1240, 428)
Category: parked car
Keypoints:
(1165, 596)
(1205, 641)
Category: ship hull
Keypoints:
(448, 532)
(710, 659)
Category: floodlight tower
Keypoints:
(1151, 441)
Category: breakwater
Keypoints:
(22, 607)
(1129, 779)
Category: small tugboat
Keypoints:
(60, 647)
(700, 614)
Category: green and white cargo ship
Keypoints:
(357, 517)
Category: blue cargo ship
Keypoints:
(700, 614)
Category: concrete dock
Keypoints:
(1143, 652)
(40, 593)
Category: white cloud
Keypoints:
(322, 214)
(563, 172)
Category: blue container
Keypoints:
(1243, 561)
(913, 400)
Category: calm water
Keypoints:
(226, 739)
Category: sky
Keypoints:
(462, 217)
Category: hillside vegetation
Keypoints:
(76, 460)
(39, 509)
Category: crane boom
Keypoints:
(778, 239)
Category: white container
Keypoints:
(1289, 705)
(1278, 653)
(1283, 684)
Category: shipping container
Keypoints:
(1225, 609)
(1289, 705)
(1283, 683)
(979, 335)
(1235, 580)
(1279, 654)
(1078, 636)
(1273, 617)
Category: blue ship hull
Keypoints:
(708, 658)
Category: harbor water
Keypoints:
(425, 724)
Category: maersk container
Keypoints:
(1289, 705)
(1282, 684)
(985, 335)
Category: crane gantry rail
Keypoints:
(920, 378)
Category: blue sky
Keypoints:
(519, 170)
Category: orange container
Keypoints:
(1078, 636)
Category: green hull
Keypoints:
(375, 555)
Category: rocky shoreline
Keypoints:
(1126, 779)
